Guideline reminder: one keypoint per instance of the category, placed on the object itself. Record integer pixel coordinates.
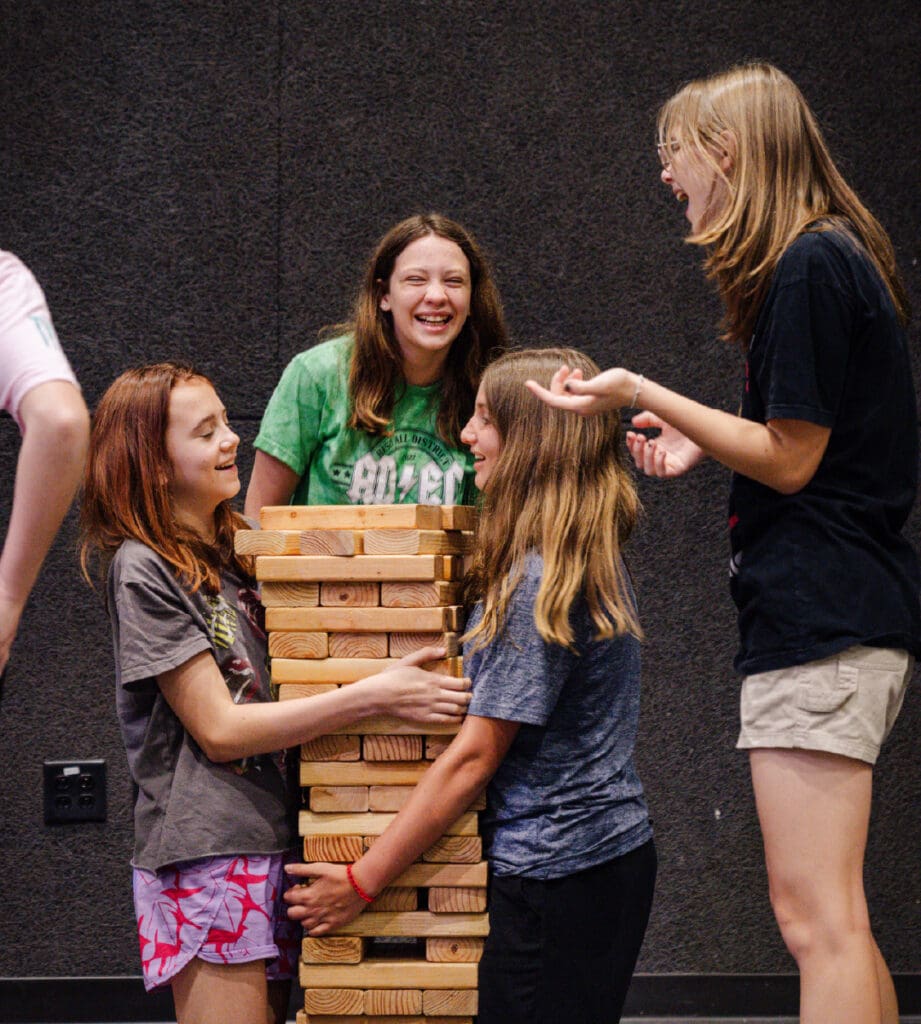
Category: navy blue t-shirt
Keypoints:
(826, 568)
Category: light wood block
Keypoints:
(329, 542)
(335, 824)
(357, 645)
(290, 595)
(392, 748)
(400, 973)
(382, 725)
(448, 1001)
(325, 799)
(347, 619)
(393, 1001)
(417, 924)
(458, 517)
(401, 644)
(388, 798)
(425, 875)
(323, 1018)
(266, 542)
(351, 517)
(457, 900)
(418, 542)
(294, 692)
(421, 595)
(455, 850)
(334, 949)
(435, 745)
(349, 595)
(333, 749)
(358, 569)
(395, 898)
(333, 1000)
(454, 951)
(334, 849)
(298, 645)
(348, 670)
(401, 772)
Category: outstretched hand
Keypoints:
(612, 389)
(410, 692)
(669, 455)
(328, 902)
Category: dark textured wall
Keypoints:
(204, 181)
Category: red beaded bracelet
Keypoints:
(358, 889)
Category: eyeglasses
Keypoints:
(666, 151)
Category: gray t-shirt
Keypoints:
(566, 796)
(188, 806)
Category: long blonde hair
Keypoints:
(783, 182)
(561, 488)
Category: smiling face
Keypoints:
(202, 450)
(428, 296)
(482, 438)
(694, 179)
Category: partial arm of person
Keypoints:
(444, 792)
(48, 471)
(225, 731)
(271, 483)
(781, 454)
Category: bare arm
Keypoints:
(198, 695)
(272, 483)
(48, 471)
(442, 795)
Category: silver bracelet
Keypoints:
(641, 380)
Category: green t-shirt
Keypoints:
(305, 427)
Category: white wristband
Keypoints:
(640, 381)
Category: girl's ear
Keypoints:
(727, 153)
(384, 301)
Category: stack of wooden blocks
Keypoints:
(349, 590)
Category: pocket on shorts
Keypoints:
(823, 693)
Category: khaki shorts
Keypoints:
(845, 704)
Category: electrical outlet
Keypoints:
(74, 791)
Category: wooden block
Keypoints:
(298, 645)
(358, 569)
(325, 1018)
(357, 645)
(455, 850)
(421, 595)
(392, 748)
(291, 595)
(388, 798)
(266, 542)
(458, 517)
(417, 924)
(348, 619)
(294, 691)
(328, 748)
(335, 824)
(448, 1001)
(401, 644)
(418, 542)
(454, 951)
(379, 1001)
(333, 1000)
(395, 898)
(474, 874)
(382, 725)
(399, 773)
(351, 517)
(348, 670)
(456, 900)
(435, 745)
(334, 849)
(349, 595)
(329, 542)
(339, 798)
(334, 949)
(375, 973)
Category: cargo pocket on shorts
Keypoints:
(823, 693)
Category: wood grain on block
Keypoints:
(325, 1018)
(381, 725)
(351, 517)
(334, 1000)
(340, 798)
(333, 749)
(402, 644)
(455, 850)
(327, 670)
(443, 875)
(421, 595)
(457, 900)
(349, 595)
(335, 824)
(458, 517)
(359, 568)
(447, 1001)
(266, 542)
(435, 745)
(366, 620)
(335, 849)
(357, 645)
(454, 951)
(388, 798)
(298, 645)
(392, 748)
(293, 691)
(290, 595)
(418, 542)
(381, 973)
(329, 542)
(394, 898)
(334, 949)
(379, 1001)
(416, 924)
(399, 773)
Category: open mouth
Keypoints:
(227, 465)
(434, 319)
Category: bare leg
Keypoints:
(814, 810)
(207, 993)
(887, 998)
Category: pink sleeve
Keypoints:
(30, 353)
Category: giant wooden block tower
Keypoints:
(347, 591)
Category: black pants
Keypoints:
(563, 951)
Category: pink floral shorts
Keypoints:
(226, 910)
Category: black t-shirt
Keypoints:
(826, 568)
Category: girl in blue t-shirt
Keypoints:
(824, 457)
(553, 652)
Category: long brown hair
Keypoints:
(560, 487)
(376, 369)
(126, 483)
(783, 182)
